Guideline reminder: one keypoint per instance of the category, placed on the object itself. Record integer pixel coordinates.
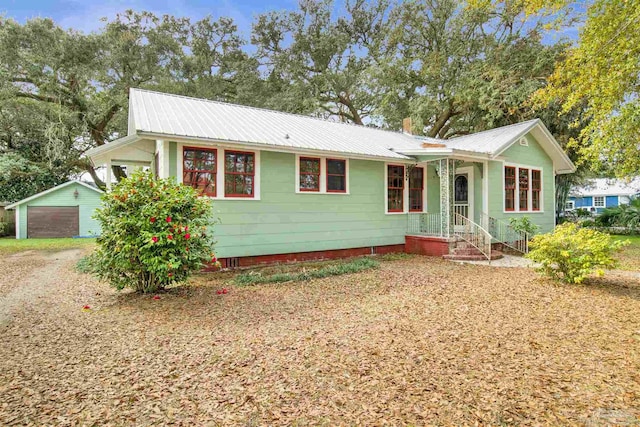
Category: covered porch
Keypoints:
(457, 221)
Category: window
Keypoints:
(199, 169)
(336, 176)
(536, 187)
(309, 174)
(395, 188)
(570, 205)
(239, 171)
(509, 188)
(416, 189)
(523, 182)
(598, 201)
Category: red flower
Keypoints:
(156, 297)
(170, 274)
(187, 236)
(224, 290)
(186, 228)
(187, 249)
(86, 307)
(172, 229)
(154, 239)
(168, 219)
(152, 219)
(214, 259)
(170, 237)
(219, 292)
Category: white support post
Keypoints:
(108, 175)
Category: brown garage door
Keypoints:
(52, 221)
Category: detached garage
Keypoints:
(62, 211)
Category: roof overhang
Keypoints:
(51, 190)
(562, 164)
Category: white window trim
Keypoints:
(604, 202)
(573, 205)
(220, 155)
(323, 175)
(405, 191)
(517, 190)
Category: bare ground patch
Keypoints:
(419, 341)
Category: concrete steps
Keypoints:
(465, 252)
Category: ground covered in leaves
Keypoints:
(418, 341)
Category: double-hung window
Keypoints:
(509, 188)
(199, 169)
(239, 174)
(536, 189)
(416, 190)
(336, 176)
(598, 201)
(523, 182)
(310, 174)
(395, 188)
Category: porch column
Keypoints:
(107, 180)
(447, 175)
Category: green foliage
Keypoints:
(524, 224)
(21, 178)
(625, 215)
(354, 266)
(570, 253)
(154, 233)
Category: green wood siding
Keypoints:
(87, 201)
(284, 221)
(534, 156)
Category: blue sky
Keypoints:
(85, 14)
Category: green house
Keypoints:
(62, 211)
(292, 187)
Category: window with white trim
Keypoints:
(322, 175)
(522, 189)
(570, 205)
(598, 201)
(395, 188)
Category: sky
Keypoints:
(85, 15)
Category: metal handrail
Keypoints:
(426, 224)
(473, 234)
(504, 233)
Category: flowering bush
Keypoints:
(570, 253)
(154, 233)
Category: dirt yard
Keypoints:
(419, 341)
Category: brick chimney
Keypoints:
(406, 125)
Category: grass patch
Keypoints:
(396, 256)
(307, 273)
(630, 256)
(10, 245)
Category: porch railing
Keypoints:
(504, 233)
(426, 224)
(473, 234)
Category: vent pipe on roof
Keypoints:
(406, 125)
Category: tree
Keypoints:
(603, 71)
(81, 82)
(322, 62)
(456, 69)
(21, 178)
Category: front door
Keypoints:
(463, 193)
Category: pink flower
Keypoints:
(186, 228)
(152, 219)
(170, 237)
(187, 236)
(168, 219)
(154, 239)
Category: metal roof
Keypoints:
(156, 114)
(608, 187)
(491, 141)
(160, 113)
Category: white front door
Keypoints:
(463, 193)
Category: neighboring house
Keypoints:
(62, 211)
(287, 186)
(598, 194)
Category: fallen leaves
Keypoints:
(420, 341)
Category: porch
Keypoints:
(458, 225)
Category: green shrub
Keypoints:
(626, 215)
(524, 225)
(570, 253)
(354, 266)
(154, 233)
